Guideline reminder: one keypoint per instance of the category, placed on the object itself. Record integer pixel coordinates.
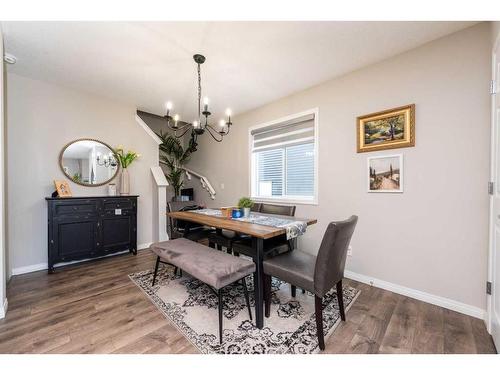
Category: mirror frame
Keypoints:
(83, 183)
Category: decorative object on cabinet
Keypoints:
(62, 188)
(90, 227)
(393, 128)
(112, 190)
(88, 162)
(125, 160)
(385, 174)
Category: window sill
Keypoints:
(310, 202)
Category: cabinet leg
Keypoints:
(51, 269)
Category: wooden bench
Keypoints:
(213, 267)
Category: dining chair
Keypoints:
(225, 238)
(177, 227)
(317, 274)
(273, 246)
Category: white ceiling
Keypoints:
(248, 63)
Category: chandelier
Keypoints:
(200, 124)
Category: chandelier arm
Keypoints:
(182, 135)
(179, 127)
(210, 130)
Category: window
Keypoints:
(284, 159)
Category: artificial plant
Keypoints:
(174, 157)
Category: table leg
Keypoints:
(258, 247)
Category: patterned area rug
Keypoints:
(192, 307)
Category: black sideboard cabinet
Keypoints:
(90, 227)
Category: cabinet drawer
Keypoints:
(124, 204)
(75, 208)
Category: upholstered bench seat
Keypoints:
(213, 267)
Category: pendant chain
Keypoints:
(199, 93)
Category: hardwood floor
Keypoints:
(95, 308)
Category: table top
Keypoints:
(254, 230)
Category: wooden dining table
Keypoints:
(258, 233)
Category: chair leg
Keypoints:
(340, 297)
(156, 270)
(318, 309)
(211, 244)
(303, 291)
(294, 291)
(267, 295)
(219, 247)
(230, 249)
(220, 315)
(247, 299)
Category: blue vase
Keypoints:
(236, 214)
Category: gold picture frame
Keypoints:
(392, 128)
(63, 189)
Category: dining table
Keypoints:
(258, 233)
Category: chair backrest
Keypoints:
(174, 207)
(276, 209)
(256, 207)
(330, 262)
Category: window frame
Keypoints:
(252, 161)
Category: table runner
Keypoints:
(294, 228)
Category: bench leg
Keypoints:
(211, 245)
(294, 291)
(245, 290)
(156, 270)
(220, 315)
(219, 247)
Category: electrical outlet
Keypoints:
(349, 251)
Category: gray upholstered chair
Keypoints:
(177, 227)
(317, 274)
(225, 238)
(273, 246)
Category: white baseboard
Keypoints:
(44, 266)
(28, 269)
(421, 296)
(3, 308)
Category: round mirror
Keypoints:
(89, 162)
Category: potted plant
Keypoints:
(174, 156)
(125, 159)
(246, 204)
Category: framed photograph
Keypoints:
(393, 128)
(385, 174)
(62, 188)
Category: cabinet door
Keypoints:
(116, 232)
(75, 237)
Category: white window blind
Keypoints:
(283, 160)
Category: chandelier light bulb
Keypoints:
(205, 100)
(176, 118)
(222, 123)
(168, 106)
(195, 124)
(228, 112)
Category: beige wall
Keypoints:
(433, 237)
(42, 118)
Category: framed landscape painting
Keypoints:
(393, 128)
(385, 174)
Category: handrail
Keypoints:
(203, 180)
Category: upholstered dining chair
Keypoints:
(317, 274)
(225, 238)
(177, 228)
